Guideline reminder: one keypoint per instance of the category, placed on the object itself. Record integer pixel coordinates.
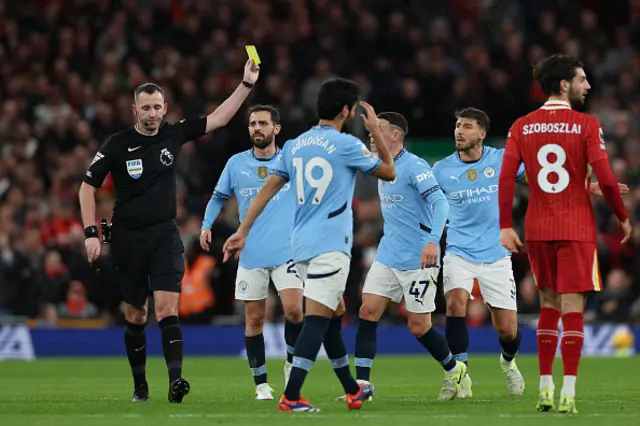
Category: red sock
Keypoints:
(547, 335)
(572, 340)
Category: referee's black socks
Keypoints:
(135, 341)
(172, 346)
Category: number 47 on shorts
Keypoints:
(418, 289)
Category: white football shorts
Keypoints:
(253, 284)
(325, 277)
(496, 282)
(418, 286)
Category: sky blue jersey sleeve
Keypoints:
(358, 157)
(280, 167)
(223, 190)
(423, 178)
(440, 210)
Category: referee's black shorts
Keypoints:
(147, 260)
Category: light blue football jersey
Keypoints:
(321, 165)
(414, 210)
(269, 241)
(473, 230)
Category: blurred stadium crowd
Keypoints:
(68, 69)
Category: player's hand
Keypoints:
(233, 246)
(595, 189)
(370, 120)
(510, 240)
(251, 72)
(205, 239)
(429, 256)
(626, 230)
(93, 249)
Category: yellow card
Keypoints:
(253, 53)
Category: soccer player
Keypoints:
(414, 210)
(469, 179)
(558, 145)
(321, 165)
(146, 245)
(267, 254)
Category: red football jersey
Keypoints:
(557, 145)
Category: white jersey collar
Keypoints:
(555, 105)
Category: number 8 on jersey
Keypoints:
(549, 167)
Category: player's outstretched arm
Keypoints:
(225, 112)
(235, 243)
(387, 170)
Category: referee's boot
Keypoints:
(177, 390)
(141, 393)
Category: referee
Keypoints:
(146, 244)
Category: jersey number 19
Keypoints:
(304, 172)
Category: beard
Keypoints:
(576, 98)
(467, 145)
(264, 142)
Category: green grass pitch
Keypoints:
(97, 392)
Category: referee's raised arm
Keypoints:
(225, 112)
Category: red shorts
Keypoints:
(565, 266)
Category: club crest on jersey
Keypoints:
(166, 157)
(489, 172)
(262, 172)
(472, 175)
(134, 168)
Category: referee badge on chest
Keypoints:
(472, 175)
(134, 168)
(262, 172)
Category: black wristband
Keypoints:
(91, 232)
(247, 84)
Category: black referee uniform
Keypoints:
(146, 245)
